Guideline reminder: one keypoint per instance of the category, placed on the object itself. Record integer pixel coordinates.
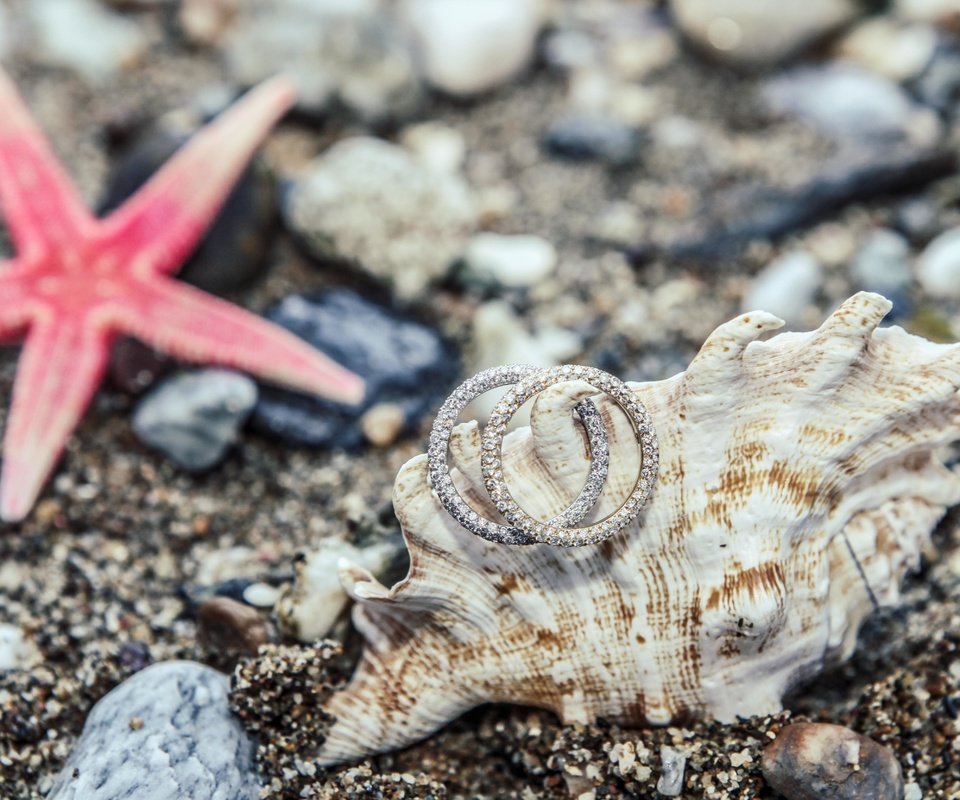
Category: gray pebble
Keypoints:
(193, 418)
(591, 137)
(939, 266)
(882, 264)
(673, 762)
(165, 734)
(786, 287)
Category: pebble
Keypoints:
(310, 607)
(912, 792)
(940, 12)
(896, 50)
(135, 366)
(816, 761)
(594, 137)
(882, 264)
(846, 102)
(404, 362)
(374, 206)
(205, 22)
(515, 262)
(673, 763)
(472, 46)
(786, 287)
(938, 268)
(193, 418)
(939, 84)
(166, 733)
(16, 650)
(233, 252)
(346, 52)
(231, 628)
(84, 36)
(438, 146)
(756, 33)
(383, 423)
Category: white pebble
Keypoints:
(673, 763)
(785, 287)
(513, 261)
(911, 791)
(16, 652)
(939, 266)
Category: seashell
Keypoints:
(800, 477)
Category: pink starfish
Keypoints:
(78, 281)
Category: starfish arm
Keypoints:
(60, 368)
(161, 224)
(40, 204)
(194, 326)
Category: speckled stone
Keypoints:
(165, 734)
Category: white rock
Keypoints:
(939, 11)
(84, 36)
(785, 287)
(512, 261)
(939, 267)
(752, 32)
(673, 762)
(912, 791)
(882, 264)
(316, 599)
(893, 49)
(16, 651)
(438, 146)
(471, 46)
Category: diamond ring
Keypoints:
(521, 528)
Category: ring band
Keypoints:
(528, 381)
(442, 483)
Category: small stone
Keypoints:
(261, 595)
(750, 33)
(814, 761)
(938, 268)
(205, 22)
(945, 13)
(233, 252)
(310, 607)
(939, 84)
(347, 52)
(230, 628)
(372, 205)
(382, 424)
(509, 261)
(85, 37)
(473, 46)
(786, 287)
(673, 762)
(912, 792)
(896, 50)
(16, 651)
(189, 744)
(193, 418)
(592, 137)
(882, 264)
(438, 146)
(846, 101)
(404, 362)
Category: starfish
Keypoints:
(78, 281)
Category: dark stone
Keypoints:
(233, 252)
(594, 138)
(165, 734)
(816, 761)
(193, 418)
(403, 361)
(135, 367)
(938, 86)
(229, 627)
(751, 213)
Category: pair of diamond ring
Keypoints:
(520, 528)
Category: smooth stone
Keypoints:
(205, 22)
(754, 33)
(85, 37)
(230, 628)
(233, 252)
(16, 650)
(938, 268)
(896, 50)
(403, 361)
(785, 287)
(193, 418)
(167, 733)
(940, 12)
(308, 609)
(882, 264)
(373, 206)
(383, 423)
(815, 761)
(472, 46)
(340, 53)
(843, 101)
(135, 366)
(510, 261)
(673, 763)
(593, 137)
(939, 84)
(438, 146)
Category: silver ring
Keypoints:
(522, 528)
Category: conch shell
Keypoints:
(799, 479)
